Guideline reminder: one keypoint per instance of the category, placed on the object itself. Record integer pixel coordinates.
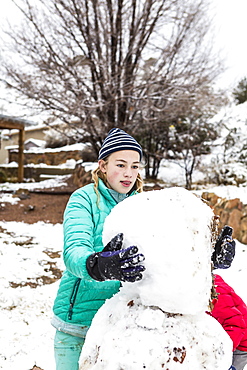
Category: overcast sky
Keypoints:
(230, 35)
(231, 31)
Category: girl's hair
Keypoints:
(97, 173)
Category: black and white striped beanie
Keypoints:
(118, 140)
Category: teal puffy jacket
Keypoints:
(79, 296)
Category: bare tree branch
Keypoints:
(101, 63)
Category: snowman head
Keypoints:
(172, 228)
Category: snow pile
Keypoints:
(7, 198)
(28, 253)
(57, 182)
(160, 322)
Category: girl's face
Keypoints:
(121, 170)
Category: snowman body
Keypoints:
(160, 322)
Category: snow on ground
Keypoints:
(56, 182)
(228, 192)
(26, 334)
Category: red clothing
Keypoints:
(231, 312)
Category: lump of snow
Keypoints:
(160, 321)
(172, 228)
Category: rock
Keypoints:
(22, 194)
(231, 212)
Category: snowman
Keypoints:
(160, 322)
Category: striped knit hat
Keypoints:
(118, 140)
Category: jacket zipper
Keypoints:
(73, 298)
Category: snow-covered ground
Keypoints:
(26, 253)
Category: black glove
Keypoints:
(114, 263)
(224, 250)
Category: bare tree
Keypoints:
(96, 64)
(192, 140)
(183, 132)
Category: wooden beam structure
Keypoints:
(10, 125)
(13, 123)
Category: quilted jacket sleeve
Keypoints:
(227, 313)
(79, 233)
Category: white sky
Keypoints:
(230, 35)
(231, 30)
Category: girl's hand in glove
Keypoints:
(114, 263)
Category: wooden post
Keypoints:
(11, 123)
(21, 155)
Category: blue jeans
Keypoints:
(67, 349)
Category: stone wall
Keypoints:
(231, 212)
(51, 158)
(35, 173)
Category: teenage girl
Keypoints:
(94, 272)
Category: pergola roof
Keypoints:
(8, 122)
